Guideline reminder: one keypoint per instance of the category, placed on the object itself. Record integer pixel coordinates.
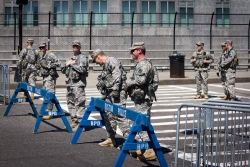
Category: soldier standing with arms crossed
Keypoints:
(229, 65)
(76, 71)
(141, 88)
(111, 84)
(48, 63)
(28, 65)
(201, 60)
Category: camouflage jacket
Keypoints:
(143, 75)
(30, 55)
(221, 59)
(228, 62)
(198, 64)
(77, 72)
(48, 64)
(114, 74)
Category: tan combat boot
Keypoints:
(22, 96)
(136, 153)
(149, 155)
(73, 124)
(32, 96)
(232, 99)
(198, 96)
(224, 98)
(206, 96)
(47, 117)
(108, 142)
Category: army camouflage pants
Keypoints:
(144, 107)
(76, 102)
(49, 84)
(201, 78)
(230, 84)
(223, 79)
(29, 77)
(112, 120)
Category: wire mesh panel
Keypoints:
(213, 134)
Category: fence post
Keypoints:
(49, 32)
(132, 28)
(90, 30)
(211, 24)
(174, 30)
(15, 31)
(248, 45)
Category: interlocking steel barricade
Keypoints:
(213, 134)
(4, 83)
(48, 98)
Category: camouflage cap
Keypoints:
(30, 40)
(42, 44)
(223, 44)
(229, 41)
(199, 43)
(76, 42)
(137, 45)
(95, 53)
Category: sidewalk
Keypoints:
(164, 77)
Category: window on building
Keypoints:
(186, 14)
(222, 14)
(100, 16)
(167, 13)
(80, 15)
(61, 15)
(128, 7)
(148, 13)
(30, 11)
(10, 9)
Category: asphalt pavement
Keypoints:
(51, 145)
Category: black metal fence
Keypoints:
(163, 33)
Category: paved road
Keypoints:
(50, 145)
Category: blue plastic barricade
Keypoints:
(141, 123)
(49, 97)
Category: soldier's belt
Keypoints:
(201, 69)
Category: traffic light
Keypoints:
(21, 2)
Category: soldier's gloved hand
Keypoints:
(115, 94)
(218, 74)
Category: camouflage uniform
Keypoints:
(114, 76)
(143, 99)
(222, 71)
(48, 63)
(227, 64)
(76, 82)
(201, 70)
(28, 60)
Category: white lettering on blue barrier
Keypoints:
(21, 100)
(122, 112)
(53, 113)
(142, 146)
(29, 88)
(108, 107)
(95, 123)
(38, 91)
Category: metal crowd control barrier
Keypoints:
(141, 123)
(215, 133)
(4, 82)
(49, 97)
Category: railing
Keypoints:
(4, 83)
(161, 63)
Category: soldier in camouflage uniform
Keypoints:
(201, 60)
(28, 65)
(228, 64)
(221, 71)
(48, 63)
(76, 71)
(111, 84)
(141, 88)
